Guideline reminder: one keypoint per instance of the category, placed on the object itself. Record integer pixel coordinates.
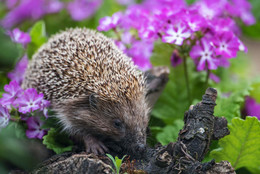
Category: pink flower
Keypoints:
(108, 23)
(43, 107)
(4, 117)
(176, 34)
(241, 46)
(121, 46)
(149, 29)
(227, 44)
(34, 128)
(218, 25)
(252, 108)
(11, 3)
(13, 90)
(141, 52)
(214, 77)
(29, 9)
(82, 9)
(175, 59)
(29, 101)
(242, 9)
(20, 37)
(18, 73)
(210, 9)
(205, 51)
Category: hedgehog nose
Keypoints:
(140, 147)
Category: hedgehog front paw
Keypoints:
(94, 145)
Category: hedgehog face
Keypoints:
(123, 123)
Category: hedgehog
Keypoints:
(96, 91)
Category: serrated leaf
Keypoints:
(57, 141)
(242, 147)
(38, 37)
(229, 104)
(170, 132)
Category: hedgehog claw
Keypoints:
(95, 146)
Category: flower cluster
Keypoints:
(21, 10)
(207, 28)
(26, 102)
(28, 9)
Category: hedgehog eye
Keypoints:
(118, 124)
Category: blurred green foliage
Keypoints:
(38, 37)
(14, 149)
(253, 31)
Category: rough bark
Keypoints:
(183, 156)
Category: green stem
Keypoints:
(207, 78)
(187, 78)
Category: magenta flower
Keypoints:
(11, 3)
(252, 108)
(108, 23)
(205, 51)
(127, 37)
(34, 128)
(176, 34)
(20, 37)
(223, 62)
(82, 9)
(29, 101)
(18, 73)
(214, 77)
(44, 105)
(241, 46)
(218, 25)
(4, 117)
(13, 90)
(210, 9)
(141, 52)
(30, 9)
(121, 46)
(241, 9)
(149, 29)
(195, 22)
(175, 59)
(227, 44)
(192, 19)
(135, 17)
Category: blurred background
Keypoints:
(16, 151)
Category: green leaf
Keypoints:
(57, 141)
(242, 147)
(38, 37)
(114, 162)
(229, 104)
(170, 132)
(173, 101)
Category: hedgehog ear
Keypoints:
(93, 100)
(156, 79)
